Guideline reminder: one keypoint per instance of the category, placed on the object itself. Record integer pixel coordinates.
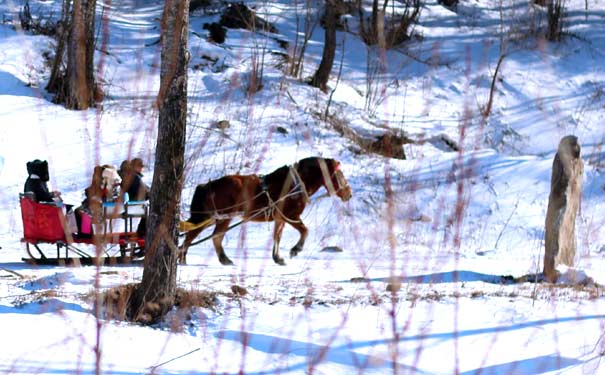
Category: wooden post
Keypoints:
(563, 205)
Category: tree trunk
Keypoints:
(79, 87)
(56, 74)
(76, 86)
(374, 21)
(375, 34)
(155, 295)
(492, 90)
(563, 205)
(90, 10)
(320, 79)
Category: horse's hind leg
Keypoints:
(217, 240)
(302, 229)
(189, 237)
(277, 231)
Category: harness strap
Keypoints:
(326, 176)
(299, 183)
(297, 188)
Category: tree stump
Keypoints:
(563, 205)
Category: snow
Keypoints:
(418, 287)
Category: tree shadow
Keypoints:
(568, 278)
(444, 277)
(42, 306)
(13, 86)
(536, 365)
(311, 354)
(458, 276)
(346, 354)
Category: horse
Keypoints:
(280, 196)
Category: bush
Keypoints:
(556, 14)
(37, 25)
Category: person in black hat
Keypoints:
(36, 182)
(36, 185)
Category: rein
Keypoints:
(226, 230)
(299, 188)
(299, 183)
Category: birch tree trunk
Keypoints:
(155, 295)
(563, 205)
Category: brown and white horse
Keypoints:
(280, 196)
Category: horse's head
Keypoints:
(334, 180)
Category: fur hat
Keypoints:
(39, 168)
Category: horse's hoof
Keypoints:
(280, 261)
(226, 261)
(295, 250)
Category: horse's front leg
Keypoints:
(277, 231)
(217, 240)
(302, 229)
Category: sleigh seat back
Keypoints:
(41, 222)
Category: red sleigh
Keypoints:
(45, 225)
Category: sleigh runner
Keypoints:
(45, 227)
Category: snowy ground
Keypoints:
(329, 312)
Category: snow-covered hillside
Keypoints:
(420, 287)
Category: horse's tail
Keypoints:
(200, 211)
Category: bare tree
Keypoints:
(392, 30)
(72, 75)
(488, 107)
(300, 46)
(556, 18)
(155, 296)
(372, 32)
(321, 76)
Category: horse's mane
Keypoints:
(307, 169)
(277, 176)
(314, 162)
